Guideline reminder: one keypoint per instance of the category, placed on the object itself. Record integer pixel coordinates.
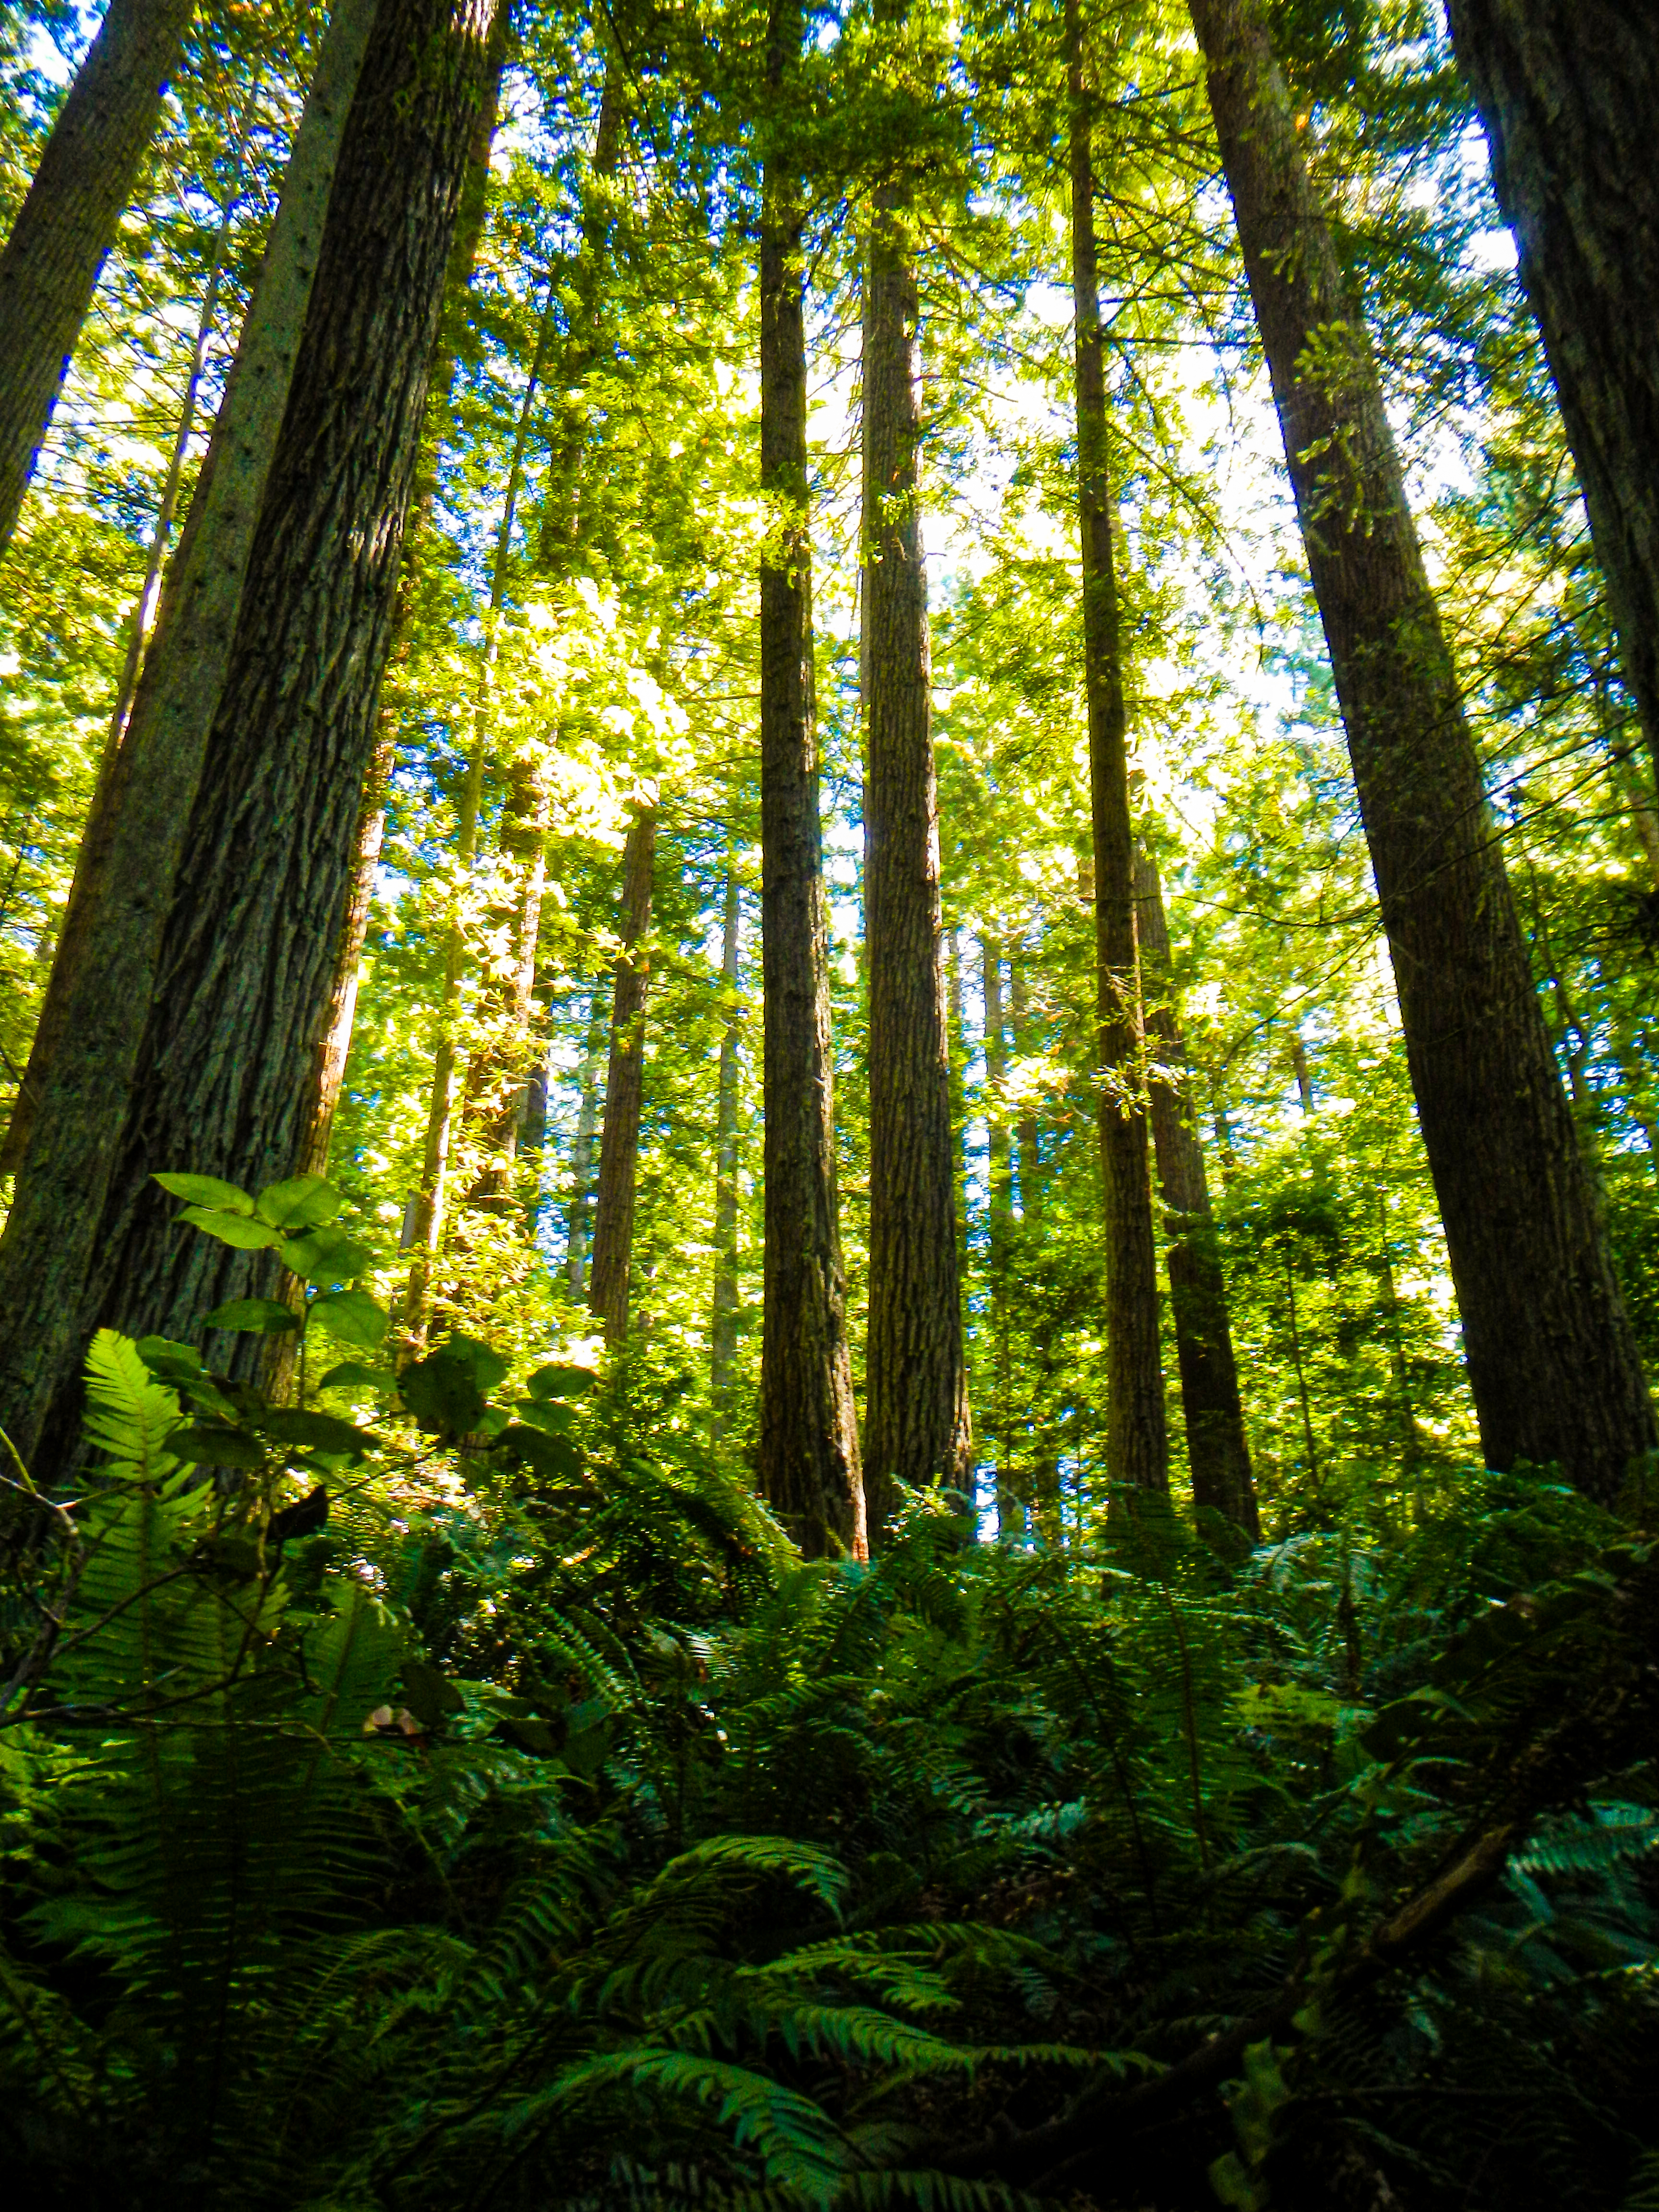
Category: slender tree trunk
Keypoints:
(1552, 1358)
(1011, 1513)
(723, 1322)
(1218, 1452)
(1030, 1145)
(917, 1426)
(1137, 1443)
(69, 220)
(809, 1443)
(499, 1079)
(1568, 92)
(1411, 1436)
(624, 1088)
(268, 649)
(1301, 1070)
(581, 1149)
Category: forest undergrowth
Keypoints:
(458, 1792)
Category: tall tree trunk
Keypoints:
(723, 1320)
(1217, 1451)
(70, 221)
(1029, 1144)
(497, 1082)
(624, 1088)
(1137, 1442)
(334, 1046)
(581, 1148)
(177, 1023)
(809, 1444)
(1011, 1514)
(1568, 91)
(1552, 1358)
(917, 1424)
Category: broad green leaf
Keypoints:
(556, 1381)
(209, 1447)
(430, 1696)
(545, 1413)
(326, 1255)
(163, 1356)
(206, 1190)
(304, 1202)
(317, 1433)
(351, 1315)
(556, 1457)
(485, 1365)
(252, 1315)
(232, 1228)
(441, 1394)
(352, 1374)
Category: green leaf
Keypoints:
(255, 1316)
(325, 1432)
(555, 1457)
(163, 1356)
(326, 1255)
(130, 1411)
(303, 1203)
(537, 1736)
(232, 1228)
(209, 1447)
(352, 1315)
(486, 1367)
(430, 1696)
(441, 1394)
(352, 1374)
(561, 1382)
(206, 1190)
(545, 1413)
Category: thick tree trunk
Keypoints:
(916, 1426)
(68, 221)
(1218, 1452)
(334, 1046)
(1551, 1359)
(723, 1317)
(809, 1444)
(1137, 1442)
(624, 1088)
(1011, 1514)
(1568, 91)
(178, 1046)
(581, 1149)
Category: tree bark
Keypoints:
(498, 1079)
(69, 220)
(1217, 1451)
(917, 1426)
(1137, 1442)
(1568, 92)
(334, 1046)
(1010, 1512)
(178, 1042)
(1552, 1358)
(809, 1464)
(624, 1088)
(723, 1318)
(581, 1149)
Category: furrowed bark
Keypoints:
(916, 1423)
(581, 1148)
(809, 1467)
(1217, 1451)
(1568, 92)
(1010, 1512)
(624, 1089)
(1137, 1442)
(1552, 1358)
(723, 1318)
(68, 221)
(260, 538)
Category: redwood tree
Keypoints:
(1137, 1443)
(1568, 91)
(68, 221)
(244, 960)
(1551, 1359)
(809, 1446)
(917, 1424)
